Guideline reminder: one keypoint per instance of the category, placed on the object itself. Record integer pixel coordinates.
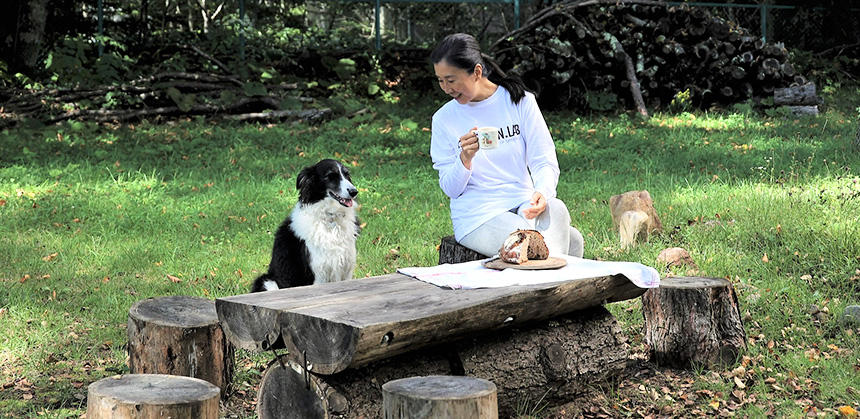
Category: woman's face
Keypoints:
(456, 82)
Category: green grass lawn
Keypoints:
(95, 218)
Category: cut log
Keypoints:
(152, 396)
(452, 252)
(693, 321)
(179, 335)
(351, 323)
(634, 216)
(796, 95)
(440, 396)
(803, 110)
(550, 362)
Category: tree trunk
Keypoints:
(440, 396)
(179, 335)
(550, 361)
(152, 396)
(29, 36)
(693, 321)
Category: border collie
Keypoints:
(316, 242)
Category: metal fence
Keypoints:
(779, 23)
(421, 23)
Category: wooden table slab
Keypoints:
(348, 324)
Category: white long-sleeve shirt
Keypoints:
(502, 178)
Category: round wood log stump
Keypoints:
(452, 252)
(693, 321)
(152, 396)
(179, 335)
(440, 397)
(550, 361)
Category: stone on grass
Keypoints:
(676, 257)
(851, 316)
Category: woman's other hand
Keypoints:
(469, 146)
(538, 206)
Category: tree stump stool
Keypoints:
(440, 397)
(452, 252)
(179, 335)
(693, 321)
(152, 396)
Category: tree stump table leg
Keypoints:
(440, 397)
(452, 252)
(152, 396)
(179, 335)
(693, 321)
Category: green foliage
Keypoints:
(601, 101)
(75, 62)
(254, 88)
(183, 101)
(344, 68)
(821, 68)
(778, 112)
(681, 102)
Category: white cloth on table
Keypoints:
(469, 275)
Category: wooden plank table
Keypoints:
(335, 326)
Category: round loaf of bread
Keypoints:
(537, 245)
(522, 246)
(515, 249)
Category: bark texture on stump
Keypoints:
(179, 335)
(452, 252)
(440, 396)
(803, 110)
(551, 360)
(693, 321)
(796, 95)
(152, 396)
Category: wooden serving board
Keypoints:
(548, 263)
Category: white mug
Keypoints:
(488, 137)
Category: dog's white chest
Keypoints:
(328, 230)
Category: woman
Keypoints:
(495, 191)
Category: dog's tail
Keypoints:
(263, 283)
(631, 225)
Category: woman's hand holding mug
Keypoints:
(469, 147)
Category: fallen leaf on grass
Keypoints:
(173, 279)
(50, 257)
(848, 412)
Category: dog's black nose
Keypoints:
(352, 192)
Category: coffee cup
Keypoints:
(488, 137)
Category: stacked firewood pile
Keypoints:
(579, 54)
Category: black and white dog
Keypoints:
(316, 243)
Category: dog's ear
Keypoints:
(303, 180)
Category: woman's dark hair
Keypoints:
(463, 51)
